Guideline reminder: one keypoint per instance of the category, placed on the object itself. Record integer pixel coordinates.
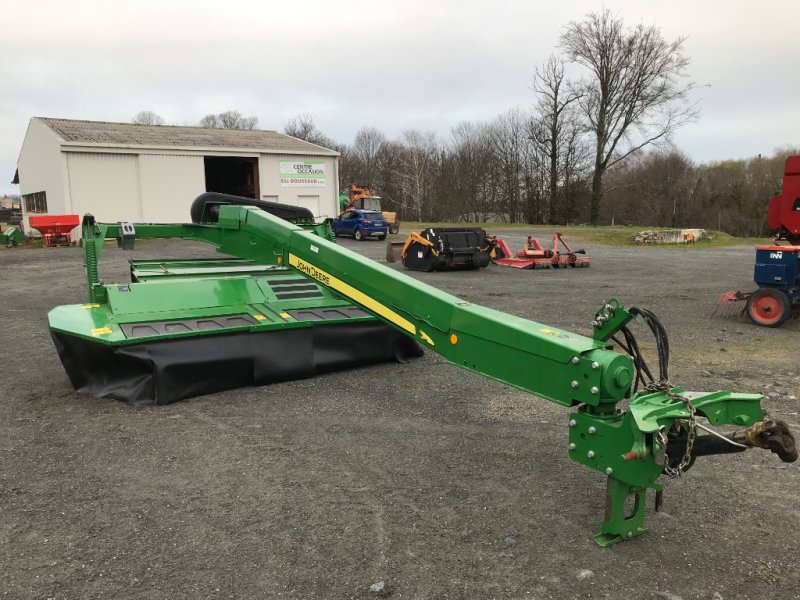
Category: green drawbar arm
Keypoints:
(629, 447)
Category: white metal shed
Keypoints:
(152, 173)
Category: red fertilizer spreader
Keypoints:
(56, 229)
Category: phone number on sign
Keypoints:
(302, 181)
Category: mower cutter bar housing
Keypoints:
(184, 328)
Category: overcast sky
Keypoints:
(392, 65)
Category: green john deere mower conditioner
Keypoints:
(290, 303)
(183, 328)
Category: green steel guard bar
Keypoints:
(629, 447)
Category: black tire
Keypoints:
(358, 235)
(768, 307)
(394, 228)
(381, 237)
(404, 349)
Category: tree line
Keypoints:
(230, 119)
(665, 188)
(496, 171)
(594, 147)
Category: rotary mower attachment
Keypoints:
(535, 256)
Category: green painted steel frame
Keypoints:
(566, 368)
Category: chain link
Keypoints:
(691, 430)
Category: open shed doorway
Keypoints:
(237, 175)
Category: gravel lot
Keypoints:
(436, 482)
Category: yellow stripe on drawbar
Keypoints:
(352, 293)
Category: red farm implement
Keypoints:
(777, 267)
(535, 256)
(56, 229)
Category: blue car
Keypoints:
(361, 224)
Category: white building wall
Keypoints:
(322, 201)
(146, 185)
(42, 168)
(169, 184)
(105, 185)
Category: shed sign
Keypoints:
(302, 173)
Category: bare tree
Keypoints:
(652, 188)
(231, 119)
(418, 167)
(554, 128)
(210, 121)
(664, 188)
(386, 180)
(369, 148)
(303, 127)
(471, 192)
(510, 138)
(635, 94)
(372, 162)
(148, 117)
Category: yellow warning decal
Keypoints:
(101, 331)
(559, 334)
(90, 306)
(426, 338)
(352, 293)
(286, 315)
(259, 317)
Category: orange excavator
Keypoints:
(364, 199)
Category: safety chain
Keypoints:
(691, 430)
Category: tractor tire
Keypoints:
(394, 228)
(358, 235)
(768, 307)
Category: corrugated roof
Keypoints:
(171, 136)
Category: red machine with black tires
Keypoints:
(777, 268)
